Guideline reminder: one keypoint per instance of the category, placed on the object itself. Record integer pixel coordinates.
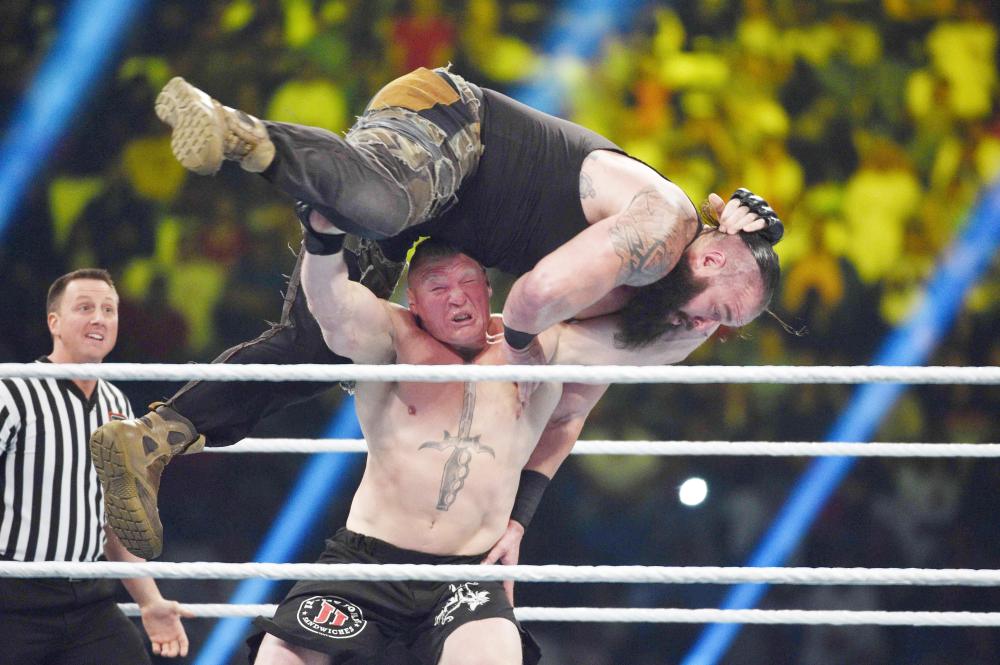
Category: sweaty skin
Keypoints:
(444, 459)
(639, 225)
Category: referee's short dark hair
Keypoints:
(59, 286)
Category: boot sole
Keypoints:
(196, 139)
(124, 509)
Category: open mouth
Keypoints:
(95, 336)
(461, 318)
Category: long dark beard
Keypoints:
(645, 317)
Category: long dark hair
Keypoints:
(767, 263)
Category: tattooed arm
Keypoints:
(633, 247)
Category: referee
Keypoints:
(52, 509)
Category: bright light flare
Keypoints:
(693, 491)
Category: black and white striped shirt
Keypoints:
(52, 508)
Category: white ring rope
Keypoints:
(562, 373)
(691, 448)
(519, 573)
(672, 615)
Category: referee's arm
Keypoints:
(160, 617)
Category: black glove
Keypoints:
(321, 244)
(774, 229)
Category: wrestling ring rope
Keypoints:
(556, 573)
(672, 448)
(563, 373)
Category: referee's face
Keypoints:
(84, 326)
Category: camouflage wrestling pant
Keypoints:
(401, 164)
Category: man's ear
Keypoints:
(713, 259)
(412, 300)
(53, 320)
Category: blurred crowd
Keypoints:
(870, 126)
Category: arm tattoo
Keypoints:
(457, 467)
(587, 190)
(646, 239)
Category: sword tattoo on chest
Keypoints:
(456, 469)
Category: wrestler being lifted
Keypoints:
(587, 229)
(582, 223)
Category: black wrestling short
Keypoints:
(360, 620)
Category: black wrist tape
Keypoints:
(517, 339)
(321, 244)
(529, 495)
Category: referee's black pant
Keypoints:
(66, 622)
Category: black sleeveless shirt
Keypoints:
(523, 201)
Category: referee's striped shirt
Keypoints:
(52, 508)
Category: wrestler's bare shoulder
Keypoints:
(610, 182)
(402, 318)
